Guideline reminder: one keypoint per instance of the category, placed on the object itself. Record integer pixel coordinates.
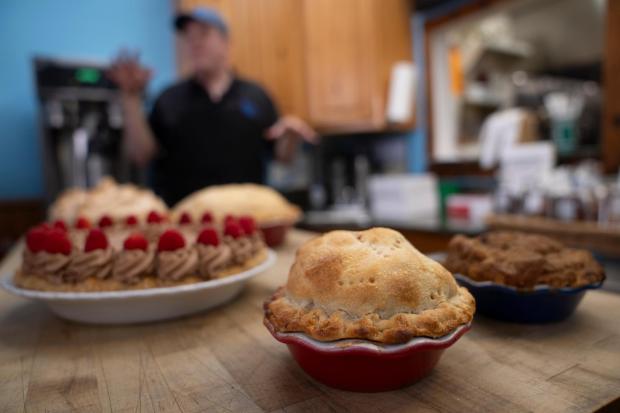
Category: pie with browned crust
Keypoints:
(371, 285)
(262, 203)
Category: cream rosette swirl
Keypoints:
(46, 265)
(95, 260)
(174, 260)
(47, 253)
(240, 244)
(134, 261)
(213, 256)
(248, 227)
(241, 248)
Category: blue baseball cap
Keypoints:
(204, 15)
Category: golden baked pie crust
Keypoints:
(263, 203)
(285, 315)
(367, 285)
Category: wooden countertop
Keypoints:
(225, 360)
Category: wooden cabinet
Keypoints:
(326, 61)
(339, 58)
(351, 46)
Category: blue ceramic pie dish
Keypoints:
(543, 304)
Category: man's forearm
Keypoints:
(139, 138)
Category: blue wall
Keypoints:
(418, 139)
(91, 29)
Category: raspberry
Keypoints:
(136, 241)
(170, 240)
(185, 219)
(154, 217)
(105, 221)
(82, 223)
(57, 242)
(229, 218)
(35, 238)
(208, 236)
(233, 229)
(96, 240)
(131, 220)
(248, 224)
(207, 218)
(60, 224)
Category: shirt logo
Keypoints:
(248, 108)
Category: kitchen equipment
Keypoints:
(81, 125)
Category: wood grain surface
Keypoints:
(226, 361)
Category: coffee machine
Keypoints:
(81, 125)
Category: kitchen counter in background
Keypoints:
(225, 360)
(428, 234)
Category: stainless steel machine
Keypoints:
(81, 125)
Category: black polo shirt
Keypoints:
(202, 142)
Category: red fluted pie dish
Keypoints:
(366, 311)
(365, 366)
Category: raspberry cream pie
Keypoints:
(370, 285)
(123, 254)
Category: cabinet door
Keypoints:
(340, 64)
(282, 53)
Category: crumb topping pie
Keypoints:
(522, 260)
(370, 285)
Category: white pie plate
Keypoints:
(138, 306)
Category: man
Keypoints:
(211, 128)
